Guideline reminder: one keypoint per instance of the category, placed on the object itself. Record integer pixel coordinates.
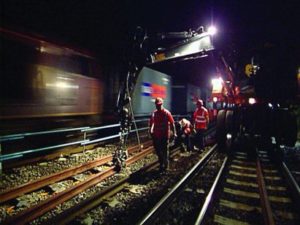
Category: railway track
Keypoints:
(47, 180)
(69, 215)
(249, 191)
(59, 197)
(181, 205)
(38, 210)
(139, 186)
(254, 192)
(81, 178)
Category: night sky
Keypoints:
(104, 26)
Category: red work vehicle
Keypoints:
(260, 110)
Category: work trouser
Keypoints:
(186, 140)
(199, 138)
(161, 146)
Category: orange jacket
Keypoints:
(201, 118)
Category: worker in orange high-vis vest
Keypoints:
(160, 122)
(200, 122)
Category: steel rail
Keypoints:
(157, 210)
(70, 214)
(50, 203)
(292, 183)
(209, 197)
(88, 204)
(46, 180)
(266, 207)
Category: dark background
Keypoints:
(105, 26)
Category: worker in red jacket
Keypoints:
(200, 120)
(160, 122)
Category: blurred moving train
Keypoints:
(44, 85)
(41, 80)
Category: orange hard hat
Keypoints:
(159, 101)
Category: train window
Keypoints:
(49, 60)
(71, 64)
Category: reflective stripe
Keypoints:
(200, 120)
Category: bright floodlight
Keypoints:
(251, 101)
(217, 81)
(212, 30)
(217, 85)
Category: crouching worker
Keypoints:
(160, 122)
(184, 134)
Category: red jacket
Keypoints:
(200, 118)
(160, 123)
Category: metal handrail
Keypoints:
(111, 137)
(21, 154)
(84, 130)
(12, 137)
(100, 128)
(82, 142)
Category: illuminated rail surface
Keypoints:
(251, 190)
(51, 202)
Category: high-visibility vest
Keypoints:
(200, 118)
